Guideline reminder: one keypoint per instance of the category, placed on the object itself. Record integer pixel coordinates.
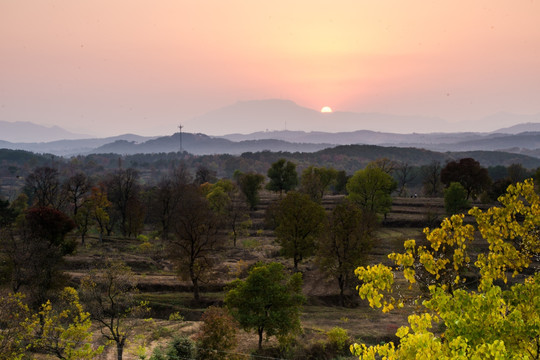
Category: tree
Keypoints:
(123, 193)
(43, 188)
(299, 222)
(316, 181)
(63, 330)
(196, 238)
(15, 330)
(283, 176)
(98, 204)
(76, 189)
(455, 198)
(487, 323)
(346, 243)
(7, 214)
(204, 175)
(268, 301)
(217, 334)
(33, 251)
(166, 198)
(371, 190)
(404, 174)
(431, 178)
(468, 173)
(250, 184)
(517, 173)
(228, 202)
(108, 295)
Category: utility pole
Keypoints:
(180, 128)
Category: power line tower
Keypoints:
(180, 128)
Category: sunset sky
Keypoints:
(112, 67)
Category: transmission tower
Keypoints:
(180, 128)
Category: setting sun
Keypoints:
(326, 109)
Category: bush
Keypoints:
(217, 334)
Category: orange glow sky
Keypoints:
(112, 67)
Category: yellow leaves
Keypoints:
(488, 324)
(376, 280)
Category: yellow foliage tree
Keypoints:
(490, 323)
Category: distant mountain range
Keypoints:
(523, 138)
(276, 114)
(23, 131)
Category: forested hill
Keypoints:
(345, 157)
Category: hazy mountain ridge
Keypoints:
(201, 144)
(24, 131)
(71, 147)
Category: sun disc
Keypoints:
(326, 109)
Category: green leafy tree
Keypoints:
(299, 222)
(489, 323)
(250, 184)
(346, 243)
(108, 295)
(455, 198)
(228, 202)
(371, 190)
(268, 301)
(217, 334)
(283, 176)
(316, 181)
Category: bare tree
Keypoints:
(123, 193)
(76, 189)
(43, 187)
(108, 295)
(196, 238)
(432, 178)
(404, 176)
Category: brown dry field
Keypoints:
(167, 294)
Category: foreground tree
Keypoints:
(488, 323)
(196, 238)
(283, 176)
(346, 243)
(268, 301)
(15, 330)
(62, 329)
(299, 222)
(108, 295)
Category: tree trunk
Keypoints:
(260, 330)
(195, 282)
(120, 348)
(341, 282)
